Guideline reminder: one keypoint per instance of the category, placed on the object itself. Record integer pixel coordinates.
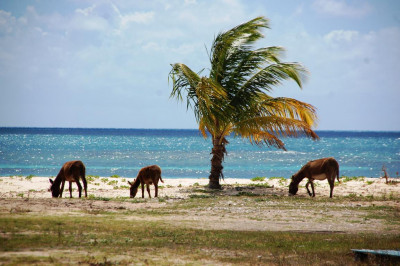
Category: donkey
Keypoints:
(147, 175)
(71, 171)
(326, 168)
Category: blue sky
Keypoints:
(105, 63)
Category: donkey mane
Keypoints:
(136, 183)
(59, 178)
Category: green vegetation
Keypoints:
(112, 182)
(91, 178)
(104, 237)
(257, 178)
(199, 196)
(282, 181)
(235, 98)
(246, 193)
(93, 197)
(29, 177)
(264, 185)
(345, 179)
(115, 176)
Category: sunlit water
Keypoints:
(184, 153)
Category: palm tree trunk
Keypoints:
(218, 153)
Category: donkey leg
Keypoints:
(70, 189)
(332, 185)
(148, 190)
(308, 191)
(79, 188)
(142, 189)
(85, 186)
(62, 188)
(156, 189)
(312, 187)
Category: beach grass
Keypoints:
(109, 238)
(144, 235)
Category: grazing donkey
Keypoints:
(71, 171)
(147, 175)
(326, 168)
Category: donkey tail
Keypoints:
(159, 174)
(83, 176)
(337, 173)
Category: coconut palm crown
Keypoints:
(235, 97)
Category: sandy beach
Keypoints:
(111, 187)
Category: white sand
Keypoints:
(37, 187)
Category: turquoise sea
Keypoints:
(185, 153)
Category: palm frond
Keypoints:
(210, 99)
(268, 129)
(183, 80)
(227, 43)
(288, 107)
(273, 75)
(247, 62)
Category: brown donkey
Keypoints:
(147, 175)
(326, 168)
(71, 171)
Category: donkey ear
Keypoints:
(51, 181)
(129, 183)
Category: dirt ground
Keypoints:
(237, 207)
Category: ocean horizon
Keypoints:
(184, 153)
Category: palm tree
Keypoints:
(234, 98)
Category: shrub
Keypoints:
(265, 185)
(278, 178)
(245, 193)
(93, 197)
(112, 182)
(29, 177)
(197, 196)
(258, 178)
(352, 178)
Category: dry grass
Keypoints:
(214, 229)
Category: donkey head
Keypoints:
(133, 189)
(293, 188)
(54, 189)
